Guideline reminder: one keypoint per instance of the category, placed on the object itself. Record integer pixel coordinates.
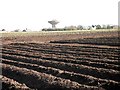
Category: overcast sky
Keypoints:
(35, 14)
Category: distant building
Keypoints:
(53, 23)
(87, 27)
(115, 27)
(17, 30)
(70, 27)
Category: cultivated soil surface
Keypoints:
(87, 61)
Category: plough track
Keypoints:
(37, 80)
(80, 78)
(74, 67)
(11, 84)
(97, 72)
(107, 54)
(62, 58)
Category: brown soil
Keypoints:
(33, 62)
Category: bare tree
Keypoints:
(98, 27)
(3, 30)
(104, 26)
(109, 27)
(79, 27)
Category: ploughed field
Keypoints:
(84, 61)
(110, 41)
(46, 66)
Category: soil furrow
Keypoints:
(96, 72)
(41, 81)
